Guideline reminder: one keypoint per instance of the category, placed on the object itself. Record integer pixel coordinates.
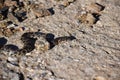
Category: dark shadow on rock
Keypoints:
(51, 11)
(96, 16)
(21, 76)
(29, 45)
(102, 7)
(4, 11)
(13, 63)
(50, 38)
(11, 47)
(3, 41)
(21, 16)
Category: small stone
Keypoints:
(1, 4)
(12, 25)
(81, 17)
(99, 23)
(12, 18)
(11, 59)
(3, 24)
(40, 12)
(94, 8)
(90, 19)
(99, 78)
(68, 2)
(1, 17)
(42, 44)
(86, 18)
(10, 3)
(7, 32)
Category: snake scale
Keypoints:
(29, 38)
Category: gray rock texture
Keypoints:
(93, 55)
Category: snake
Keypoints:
(29, 39)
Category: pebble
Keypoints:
(99, 78)
(94, 8)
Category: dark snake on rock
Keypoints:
(29, 38)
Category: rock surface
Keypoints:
(94, 55)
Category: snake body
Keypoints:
(29, 38)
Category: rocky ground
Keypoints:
(93, 55)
